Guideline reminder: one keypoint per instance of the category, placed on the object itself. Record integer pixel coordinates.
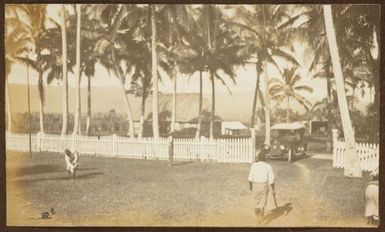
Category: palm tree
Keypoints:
(109, 46)
(89, 61)
(139, 60)
(355, 27)
(172, 17)
(17, 41)
(77, 127)
(34, 26)
(211, 34)
(258, 68)
(154, 74)
(265, 28)
(352, 166)
(64, 68)
(185, 54)
(211, 46)
(199, 126)
(89, 35)
(190, 61)
(288, 88)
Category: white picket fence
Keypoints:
(368, 155)
(225, 150)
(229, 150)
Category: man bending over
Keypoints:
(71, 162)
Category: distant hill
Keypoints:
(104, 99)
(228, 107)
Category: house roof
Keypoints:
(233, 125)
(187, 107)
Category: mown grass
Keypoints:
(126, 192)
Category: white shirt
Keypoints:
(71, 161)
(261, 172)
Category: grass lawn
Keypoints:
(126, 192)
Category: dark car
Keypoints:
(287, 141)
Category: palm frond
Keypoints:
(303, 101)
(304, 88)
(289, 57)
(223, 82)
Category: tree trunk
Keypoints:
(351, 161)
(254, 107)
(121, 77)
(329, 105)
(154, 61)
(41, 102)
(212, 121)
(29, 114)
(64, 66)
(129, 112)
(77, 72)
(173, 116)
(267, 106)
(288, 109)
(199, 126)
(143, 111)
(88, 105)
(8, 104)
(266, 80)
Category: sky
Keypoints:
(245, 75)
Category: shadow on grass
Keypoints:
(64, 177)
(41, 169)
(181, 163)
(36, 169)
(277, 212)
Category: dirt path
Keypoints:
(302, 200)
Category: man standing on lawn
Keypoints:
(260, 177)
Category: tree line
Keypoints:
(135, 41)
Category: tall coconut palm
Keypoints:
(34, 24)
(172, 17)
(351, 162)
(288, 88)
(212, 46)
(353, 25)
(16, 42)
(64, 69)
(186, 56)
(138, 59)
(77, 127)
(258, 69)
(199, 126)
(154, 74)
(88, 68)
(89, 35)
(114, 21)
(265, 29)
(211, 34)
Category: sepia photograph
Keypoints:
(192, 115)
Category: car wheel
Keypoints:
(290, 156)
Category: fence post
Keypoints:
(334, 146)
(170, 141)
(38, 141)
(114, 145)
(253, 144)
(73, 141)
